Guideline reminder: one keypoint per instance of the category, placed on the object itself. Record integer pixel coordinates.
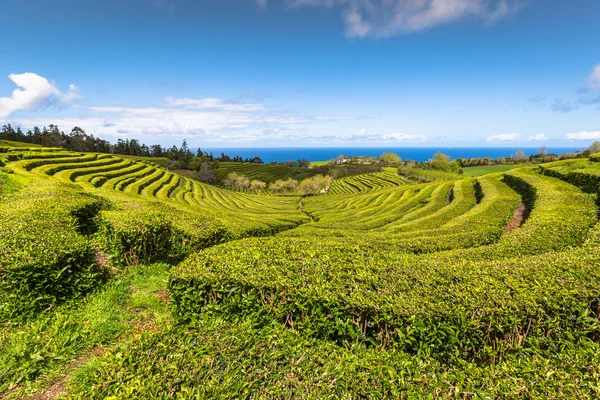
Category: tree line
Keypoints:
(312, 186)
(78, 140)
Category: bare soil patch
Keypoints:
(518, 218)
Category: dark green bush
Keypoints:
(43, 257)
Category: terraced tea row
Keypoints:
(365, 183)
(263, 172)
(149, 180)
(470, 303)
(414, 288)
(583, 173)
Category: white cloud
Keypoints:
(509, 137)
(34, 92)
(207, 120)
(363, 136)
(213, 103)
(540, 137)
(384, 18)
(583, 136)
(593, 81)
(72, 95)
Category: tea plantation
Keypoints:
(121, 279)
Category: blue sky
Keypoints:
(298, 73)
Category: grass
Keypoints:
(318, 163)
(10, 143)
(160, 161)
(35, 354)
(489, 169)
(263, 172)
(386, 289)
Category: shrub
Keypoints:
(44, 259)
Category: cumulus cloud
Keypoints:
(34, 92)
(583, 136)
(207, 119)
(593, 81)
(540, 137)
(509, 137)
(385, 18)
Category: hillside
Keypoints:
(122, 279)
(263, 172)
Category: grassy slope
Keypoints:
(40, 351)
(162, 161)
(9, 143)
(263, 172)
(489, 169)
(224, 358)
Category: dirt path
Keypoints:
(518, 218)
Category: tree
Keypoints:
(325, 182)
(291, 186)
(390, 159)
(442, 162)
(257, 186)
(520, 155)
(244, 183)
(156, 150)
(206, 174)
(543, 150)
(232, 181)
(595, 147)
(309, 186)
(277, 187)
(303, 163)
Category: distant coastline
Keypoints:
(411, 153)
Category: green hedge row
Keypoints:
(581, 173)
(99, 168)
(28, 166)
(79, 168)
(218, 359)
(100, 180)
(44, 258)
(445, 304)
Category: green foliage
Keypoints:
(43, 257)
(390, 159)
(366, 182)
(489, 169)
(582, 173)
(426, 175)
(39, 350)
(262, 172)
(218, 359)
(385, 289)
(595, 157)
(10, 143)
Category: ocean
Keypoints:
(407, 153)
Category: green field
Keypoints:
(122, 279)
(161, 161)
(488, 169)
(262, 172)
(9, 143)
(318, 163)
